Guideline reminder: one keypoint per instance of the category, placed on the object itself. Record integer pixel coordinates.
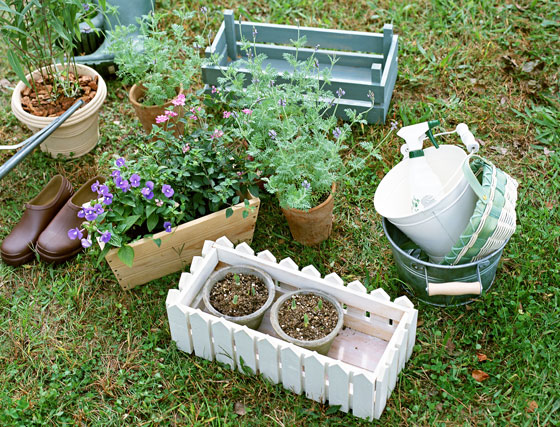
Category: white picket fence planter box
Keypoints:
(361, 368)
(365, 61)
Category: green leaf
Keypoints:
(150, 210)
(152, 222)
(126, 255)
(229, 212)
(128, 222)
(332, 410)
(16, 66)
(157, 242)
(245, 214)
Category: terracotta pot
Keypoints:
(147, 114)
(79, 134)
(313, 226)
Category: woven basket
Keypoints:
(493, 219)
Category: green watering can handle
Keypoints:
(471, 178)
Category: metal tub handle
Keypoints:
(455, 288)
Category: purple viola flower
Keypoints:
(105, 237)
(120, 162)
(91, 214)
(167, 226)
(337, 132)
(167, 190)
(340, 92)
(282, 102)
(272, 134)
(108, 199)
(75, 233)
(147, 193)
(98, 209)
(203, 10)
(115, 173)
(124, 185)
(255, 32)
(103, 190)
(85, 6)
(95, 187)
(117, 180)
(394, 125)
(306, 185)
(82, 213)
(150, 185)
(86, 243)
(135, 180)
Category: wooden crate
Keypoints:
(366, 61)
(178, 248)
(361, 368)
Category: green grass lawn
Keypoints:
(75, 348)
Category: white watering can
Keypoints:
(426, 195)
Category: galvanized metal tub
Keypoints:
(441, 285)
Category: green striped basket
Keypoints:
(493, 220)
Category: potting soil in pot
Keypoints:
(47, 107)
(238, 294)
(322, 317)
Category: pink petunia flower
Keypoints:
(215, 89)
(179, 101)
(186, 148)
(247, 111)
(217, 134)
(193, 117)
(162, 118)
(171, 113)
(227, 114)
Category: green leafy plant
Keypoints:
(305, 320)
(40, 34)
(289, 125)
(169, 56)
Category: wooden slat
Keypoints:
(269, 359)
(305, 281)
(363, 394)
(323, 56)
(230, 34)
(387, 38)
(315, 377)
(209, 263)
(381, 391)
(291, 358)
(179, 326)
(223, 342)
(339, 385)
(201, 336)
(245, 348)
(327, 39)
(219, 43)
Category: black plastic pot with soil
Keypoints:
(240, 294)
(309, 319)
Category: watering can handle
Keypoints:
(467, 138)
(455, 288)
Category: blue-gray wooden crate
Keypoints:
(366, 62)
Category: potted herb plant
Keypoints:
(287, 121)
(41, 38)
(309, 319)
(169, 60)
(168, 198)
(240, 294)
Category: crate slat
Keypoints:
(325, 38)
(245, 349)
(291, 360)
(315, 374)
(179, 326)
(269, 359)
(223, 343)
(339, 385)
(200, 329)
(363, 394)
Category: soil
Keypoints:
(43, 105)
(321, 321)
(223, 293)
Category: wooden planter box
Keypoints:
(366, 61)
(361, 368)
(178, 248)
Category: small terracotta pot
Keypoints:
(147, 114)
(313, 226)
